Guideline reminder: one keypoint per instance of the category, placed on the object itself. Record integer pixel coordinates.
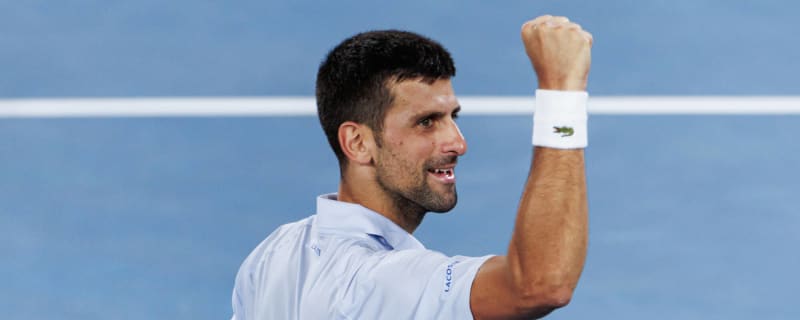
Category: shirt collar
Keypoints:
(355, 219)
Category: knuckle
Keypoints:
(529, 29)
(526, 26)
(588, 36)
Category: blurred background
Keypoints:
(219, 48)
(692, 217)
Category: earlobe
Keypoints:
(356, 142)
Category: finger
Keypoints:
(548, 21)
(541, 19)
(533, 24)
(557, 22)
(588, 36)
(575, 26)
(560, 20)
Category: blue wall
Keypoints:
(693, 217)
(222, 48)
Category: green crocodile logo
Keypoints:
(564, 131)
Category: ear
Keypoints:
(357, 142)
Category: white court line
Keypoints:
(305, 106)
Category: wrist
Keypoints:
(560, 119)
(570, 84)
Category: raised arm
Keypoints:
(548, 246)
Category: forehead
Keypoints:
(414, 96)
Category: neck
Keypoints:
(403, 213)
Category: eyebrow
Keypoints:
(436, 114)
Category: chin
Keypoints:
(444, 204)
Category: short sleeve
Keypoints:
(411, 284)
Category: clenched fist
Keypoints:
(560, 52)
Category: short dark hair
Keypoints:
(353, 82)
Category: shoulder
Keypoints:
(283, 240)
(285, 234)
(256, 276)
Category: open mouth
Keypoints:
(445, 175)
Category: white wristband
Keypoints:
(560, 119)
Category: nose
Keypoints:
(454, 142)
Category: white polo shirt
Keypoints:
(348, 262)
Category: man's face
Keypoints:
(415, 164)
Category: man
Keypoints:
(388, 109)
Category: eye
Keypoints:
(455, 113)
(426, 122)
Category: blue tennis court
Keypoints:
(692, 217)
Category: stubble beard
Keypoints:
(419, 198)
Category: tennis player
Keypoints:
(387, 106)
